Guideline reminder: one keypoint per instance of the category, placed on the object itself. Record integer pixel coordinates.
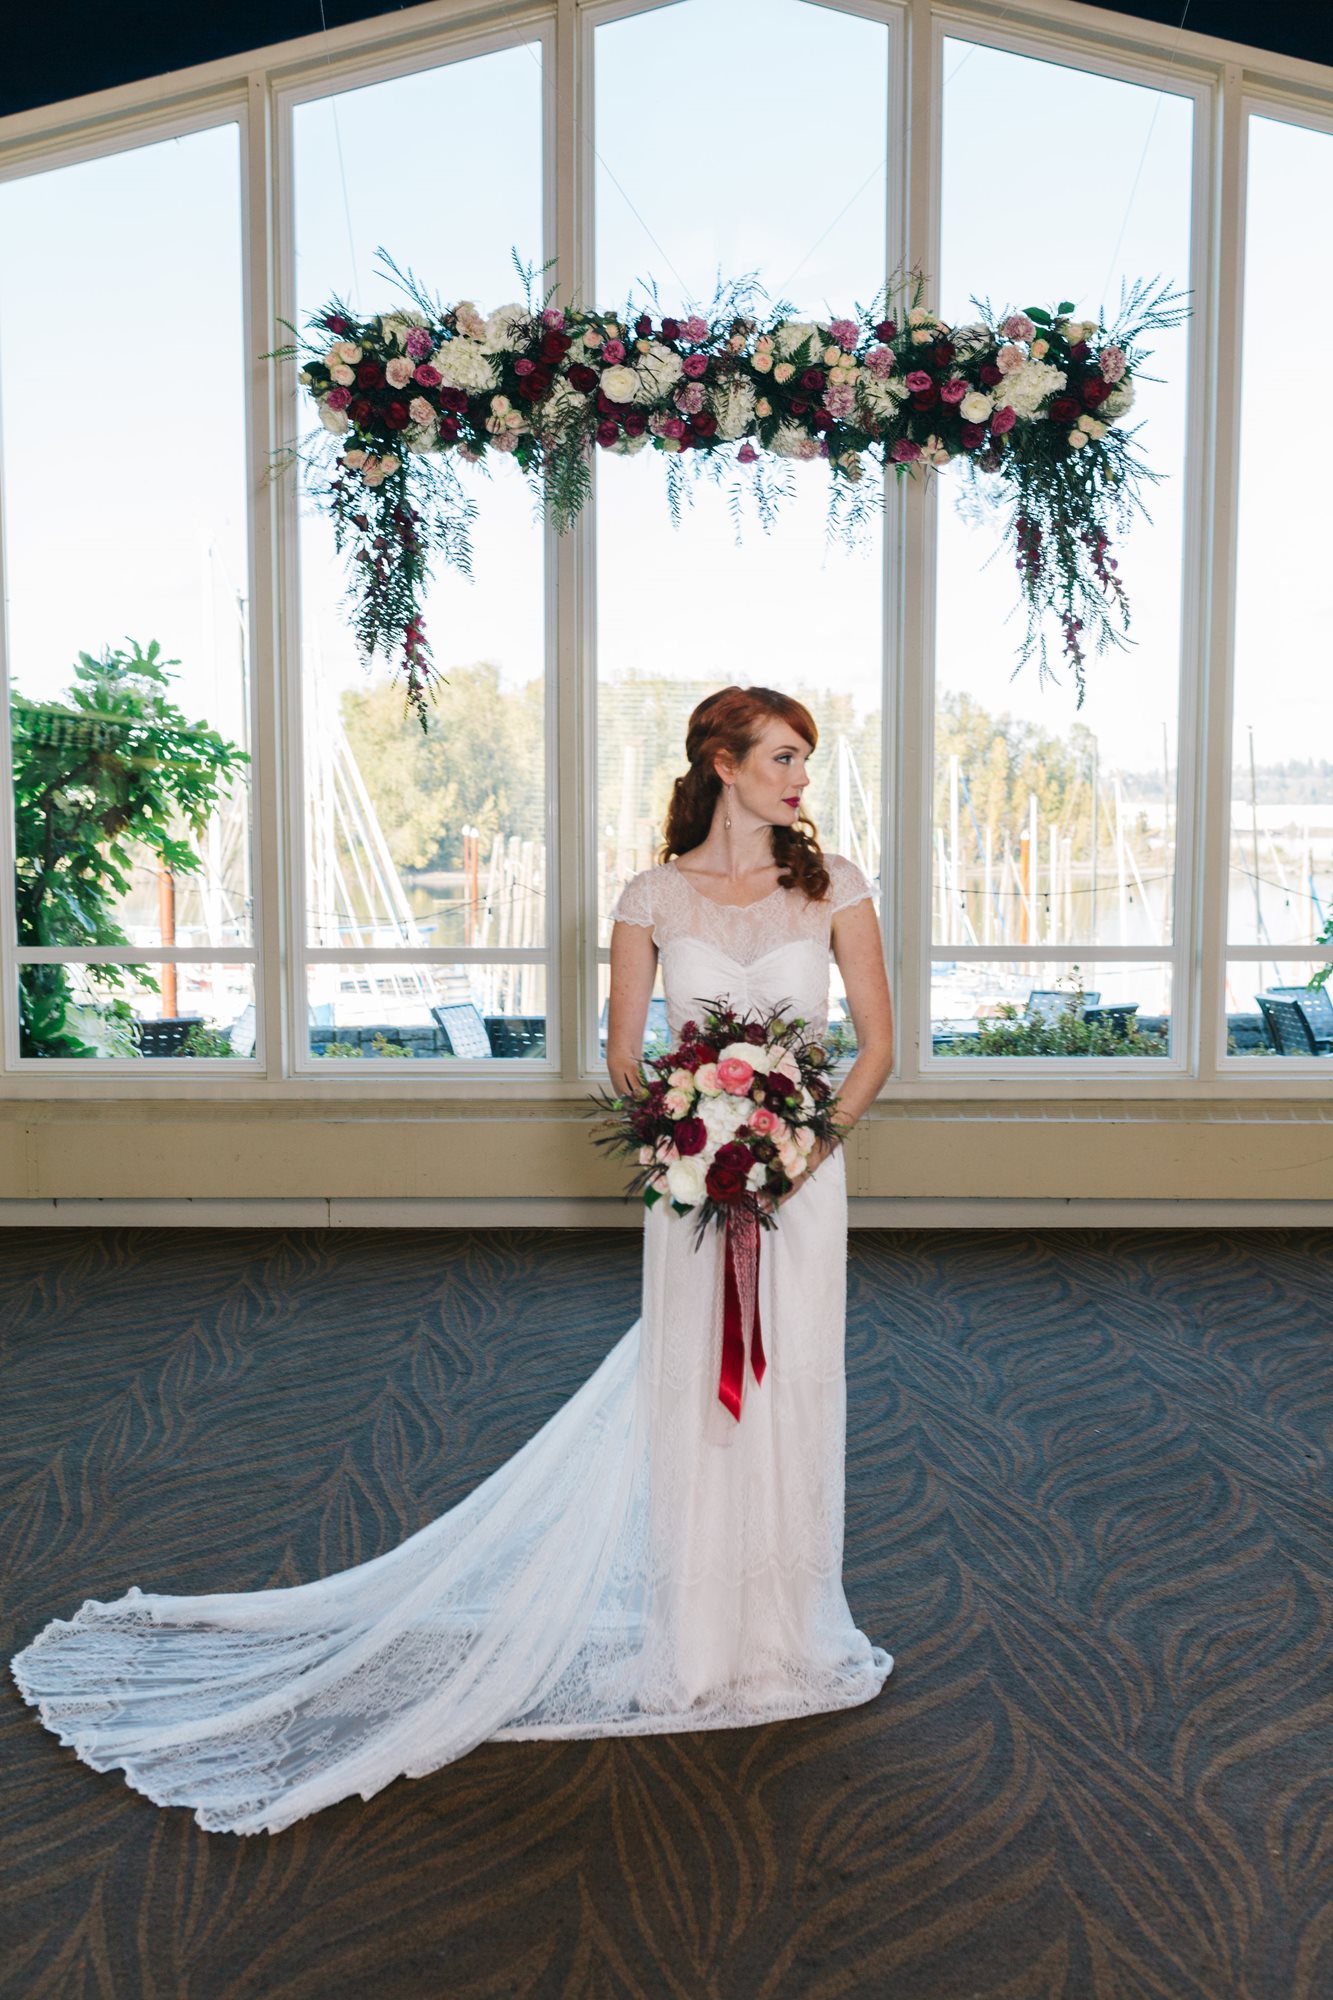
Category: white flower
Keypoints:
(342, 354)
(1120, 398)
(421, 438)
(343, 376)
(881, 396)
(619, 384)
(396, 326)
(398, 372)
(506, 329)
(723, 1116)
(757, 1175)
(337, 421)
(919, 316)
(562, 407)
(469, 321)
(627, 446)
(685, 1180)
(759, 1058)
(733, 406)
(1078, 439)
(794, 336)
(792, 442)
(463, 365)
(975, 407)
(659, 371)
(1027, 388)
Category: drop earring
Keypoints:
(727, 819)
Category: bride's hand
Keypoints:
(818, 1153)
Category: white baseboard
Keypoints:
(864, 1212)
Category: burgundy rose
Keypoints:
(703, 424)
(990, 374)
(582, 378)
(362, 413)
(337, 324)
(671, 329)
(943, 352)
(972, 435)
(813, 378)
(724, 1184)
(1079, 351)
(1064, 410)
(1002, 420)
(691, 1136)
(797, 407)
(555, 346)
(370, 375)
(448, 428)
(926, 399)
(754, 1032)
(608, 432)
(887, 329)
(395, 417)
(1095, 391)
(643, 326)
(636, 423)
(822, 420)
(734, 1154)
(707, 1052)
(453, 399)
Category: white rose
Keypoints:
(795, 335)
(398, 372)
(343, 354)
(619, 384)
(659, 371)
(757, 1175)
(1078, 439)
(506, 329)
(685, 1180)
(975, 407)
(918, 316)
(343, 376)
(463, 365)
(337, 421)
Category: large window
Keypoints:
(1280, 861)
(1054, 827)
(123, 412)
(684, 610)
(428, 850)
(236, 861)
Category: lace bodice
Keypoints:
(764, 954)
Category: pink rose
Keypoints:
(735, 1075)
(338, 399)
(918, 380)
(845, 332)
(695, 366)
(1009, 360)
(696, 328)
(954, 390)
(613, 351)
(553, 316)
(1112, 363)
(1002, 420)
(805, 1139)
(1017, 327)
(904, 451)
(764, 1123)
(428, 376)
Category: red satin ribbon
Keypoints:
(740, 1290)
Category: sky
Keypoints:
(126, 492)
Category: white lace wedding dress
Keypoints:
(645, 1562)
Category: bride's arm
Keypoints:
(633, 971)
(860, 957)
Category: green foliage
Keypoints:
(380, 1045)
(205, 1042)
(1010, 1032)
(113, 774)
(480, 763)
(338, 1050)
(1321, 977)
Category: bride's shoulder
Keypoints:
(639, 895)
(848, 883)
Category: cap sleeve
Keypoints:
(634, 904)
(847, 884)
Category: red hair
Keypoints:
(733, 720)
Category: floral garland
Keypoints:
(1030, 403)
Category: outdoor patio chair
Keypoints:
(1289, 1031)
(517, 1034)
(1316, 1005)
(1046, 1004)
(165, 1037)
(464, 1029)
(1120, 1018)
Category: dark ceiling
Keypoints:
(72, 46)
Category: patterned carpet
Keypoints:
(1088, 1507)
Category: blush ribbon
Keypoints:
(740, 1308)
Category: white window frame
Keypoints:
(258, 91)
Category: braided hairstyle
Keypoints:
(733, 720)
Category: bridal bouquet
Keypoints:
(722, 1128)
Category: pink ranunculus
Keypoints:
(764, 1123)
(1112, 363)
(338, 399)
(735, 1075)
(613, 351)
(918, 380)
(695, 366)
(418, 343)
(1009, 360)
(428, 375)
(1017, 327)
(845, 332)
(553, 316)
(747, 455)
(781, 1130)
(954, 390)
(696, 328)
(904, 451)
(1002, 420)
(398, 372)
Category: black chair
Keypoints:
(165, 1037)
(1120, 1020)
(1317, 1007)
(464, 1030)
(1289, 1031)
(1046, 1004)
(517, 1035)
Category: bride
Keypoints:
(647, 1561)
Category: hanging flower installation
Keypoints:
(1030, 402)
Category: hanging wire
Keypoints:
(342, 165)
(1138, 172)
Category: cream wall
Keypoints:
(384, 1163)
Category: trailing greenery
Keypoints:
(112, 775)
